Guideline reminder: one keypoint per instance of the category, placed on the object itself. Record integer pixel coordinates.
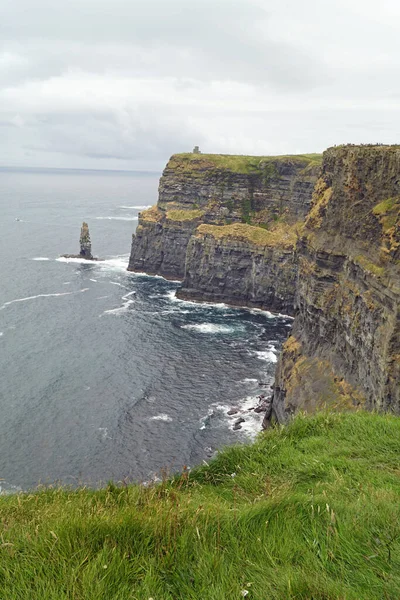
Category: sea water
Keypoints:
(105, 374)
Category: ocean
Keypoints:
(105, 374)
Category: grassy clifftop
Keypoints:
(308, 511)
(190, 162)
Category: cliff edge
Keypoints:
(344, 350)
(218, 222)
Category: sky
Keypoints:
(123, 84)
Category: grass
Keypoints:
(153, 214)
(370, 266)
(310, 511)
(184, 215)
(197, 163)
(281, 234)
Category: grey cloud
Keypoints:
(203, 39)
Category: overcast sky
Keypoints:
(123, 84)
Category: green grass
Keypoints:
(199, 163)
(280, 235)
(308, 512)
(184, 215)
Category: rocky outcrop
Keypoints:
(345, 345)
(85, 245)
(244, 265)
(219, 190)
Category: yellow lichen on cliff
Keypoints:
(184, 215)
(282, 235)
(388, 213)
(153, 214)
(321, 197)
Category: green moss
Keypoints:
(282, 235)
(368, 265)
(184, 215)
(386, 206)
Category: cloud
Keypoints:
(124, 83)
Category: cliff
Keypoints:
(345, 345)
(242, 264)
(219, 190)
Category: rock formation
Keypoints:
(243, 230)
(221, 190)
(85, 245)
(344, 349)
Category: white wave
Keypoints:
(104, 433)
(42, 296)
(67, 283)
(119, 284)
(249, 380)
(171, 295)
(209, 328)
(120, 310)
(1, 333)
(119, 263)
(117, 218)
(267, 355)
(7, 488)
(251, 426)
(79, 261)
(265, 313)
(94, 280)
(40, 258)
(162, 417)
(135, 207)
(101, 297)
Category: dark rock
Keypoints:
(85, 246)
(344, 350)
(236, 427)
(240, 420)
(232, 411)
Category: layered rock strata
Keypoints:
(344, 350)
(242, 264)
(219, 190)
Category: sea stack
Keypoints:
(85, 244)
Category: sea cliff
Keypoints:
(344, 350)
(265, 196)
(321, 242)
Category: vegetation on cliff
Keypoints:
(308, 511)
(282, 234)
(206, 163)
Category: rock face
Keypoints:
(85, 243)
(219, 190)
(345, 345)
(241, 264)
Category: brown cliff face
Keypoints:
(219, 190)
(345, 344)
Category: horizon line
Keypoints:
(26, 168)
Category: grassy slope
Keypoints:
(312, 513)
